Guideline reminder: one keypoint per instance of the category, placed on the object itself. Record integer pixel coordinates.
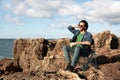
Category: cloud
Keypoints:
(36, 8)
(45, 8)
(62, 22)
(70, 9)
(12, 19)
(105, 11)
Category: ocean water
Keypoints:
(6, 48)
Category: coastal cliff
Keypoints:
(42, 59)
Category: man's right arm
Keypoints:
(72, 29)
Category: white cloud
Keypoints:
(12, 19)
(45, 8)
(106, 11)
(36, 8)
(70, 9)
(63, 22)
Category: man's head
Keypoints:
(83, 24)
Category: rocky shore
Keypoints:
(42, 59)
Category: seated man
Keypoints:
(79, 45)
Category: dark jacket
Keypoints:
(87, 37)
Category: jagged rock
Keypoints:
(92, 73)
(114, 42)
(106, 41)
(4, 63)
(7, 67)
(111, 71)
(69, 74)
(102, 40)
(52, 64)
(58, 48)
(29, 52)
(35, 59)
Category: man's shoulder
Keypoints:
(88, 33)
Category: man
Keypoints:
(79, 45)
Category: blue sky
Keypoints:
(50, 18)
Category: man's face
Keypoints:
(81, 26)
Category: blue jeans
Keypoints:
(75, 54)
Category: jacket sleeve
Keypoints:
(88, 37)
(71, 29)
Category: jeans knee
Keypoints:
(64, 47)
(77, 47)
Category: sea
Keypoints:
(6, 48)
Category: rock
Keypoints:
(7, 67)
(102, 40)
(58, 48)
(119, 42)
(111, 71)
(106, 41)
(52, 64)
(35, 59)
(70, 75)
(29, 52)
(114, 42)
(92, 73)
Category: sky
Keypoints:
(49, 18)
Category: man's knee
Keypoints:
(77, 47)
(65, 47)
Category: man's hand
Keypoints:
(73, 44)
(75, 26)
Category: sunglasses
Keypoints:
(80, 25)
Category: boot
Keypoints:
(71, 68)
